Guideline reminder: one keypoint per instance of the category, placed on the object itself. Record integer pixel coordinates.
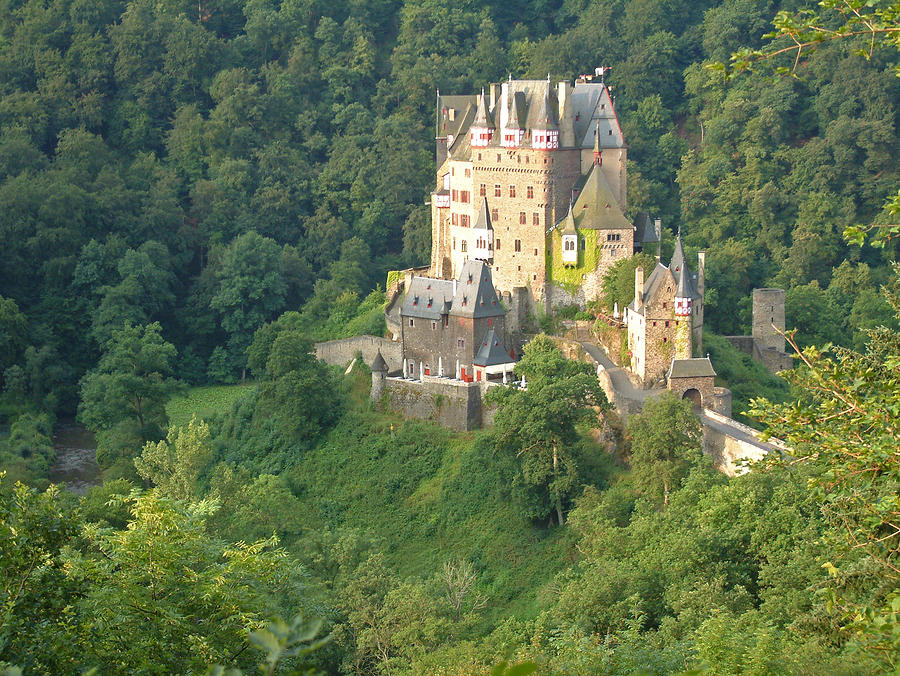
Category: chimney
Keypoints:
(701, 273)
(657, 228)
(454, 288)
(638, 288)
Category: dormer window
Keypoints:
(416, 300)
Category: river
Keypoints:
(76, 461)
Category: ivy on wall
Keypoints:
(570, 277)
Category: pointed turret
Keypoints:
(482, 129)
(379, 365)
(678, 260)
(542, 122)
(483, 220)
(570, 239)
(598, 154)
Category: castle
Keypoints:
(531, 179)
(665, 319)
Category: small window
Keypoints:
(463, 246)
(536, 219)
(460, 342)
(517, 245)
(497, 245)
(454, 243)
(434, 326)
(498, 157)
(535, 252)
(522, 218)
(468, 173)
(482, 190)
(412, 322)
(530, 192)
(665, 339)
(495, 215)
(496, 190)
(512, 191)
(654, 323)
(667, 324)
(479, 157)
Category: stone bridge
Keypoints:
(729, 443)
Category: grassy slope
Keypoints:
(203, 402)
(423, 491)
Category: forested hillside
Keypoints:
(192, 192)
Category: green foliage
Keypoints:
(665, 444)
(618, 282)
(539, 424)
(844, 422)
(174, 466)
(27, 453)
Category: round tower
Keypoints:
(379, 375)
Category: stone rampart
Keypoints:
(731, 444)
(341, 352)
(449, 403)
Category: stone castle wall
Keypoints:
(449, 403)
(341, 352)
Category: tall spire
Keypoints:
(483, 221)
(598, 157)
(678, 260)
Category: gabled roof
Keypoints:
(491, 351)
(652, 285)
(458, 103)
(596, 208)
(700, 367)
(483, 220)
(461, 148)
(429, 298)
(426, 298)
(596, 104)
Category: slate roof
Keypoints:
(459, 103)
(596, 208)
(652, 284)
(542, 115)
(491, 352)
(483, 220)
(483, 117)
(429, 298)
(461, 147)
(475, 294)
(645, 229)
(426, 298)
(379, 365)
(700, 367)
(569, 228)
(678, 263)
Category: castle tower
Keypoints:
(768, 319)
(683, 314)
(379, 373)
